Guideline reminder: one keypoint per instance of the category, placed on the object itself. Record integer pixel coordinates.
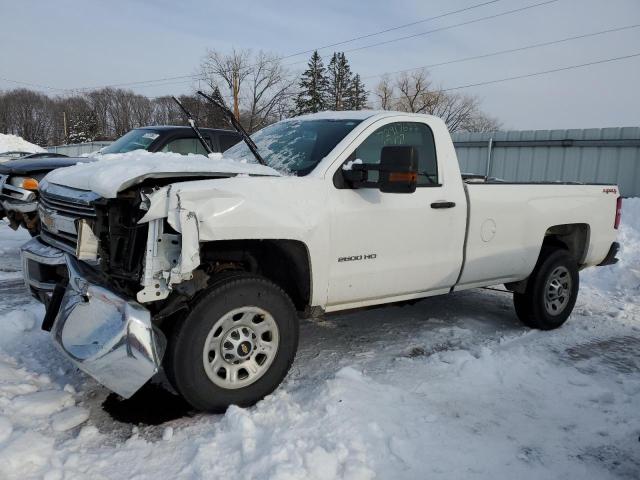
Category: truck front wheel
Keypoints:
(235, 346)
(551, 293)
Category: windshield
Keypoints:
(295, 146)
(138, 139)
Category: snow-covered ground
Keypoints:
(14, 143)
(451, 387)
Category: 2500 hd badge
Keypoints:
(355, 258)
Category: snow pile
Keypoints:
(115, 172)
(13, 143)
(624, 277)
(32, 407)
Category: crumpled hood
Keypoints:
(113, 173)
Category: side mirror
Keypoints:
(398, 169)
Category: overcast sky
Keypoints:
(73, 43)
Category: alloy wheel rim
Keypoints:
(240, 347)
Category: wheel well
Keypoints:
(284, 262)
(573, 237)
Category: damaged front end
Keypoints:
(92, 261)
(103, 333)
(170, 257)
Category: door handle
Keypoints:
(443, 204)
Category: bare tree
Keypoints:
(385, 91)
(165, 111)
(483, 123)
(258, 84)
(414, 91)
(269, 87)
(29, 114)
(231, 70)
(417, 94)
(141, 110)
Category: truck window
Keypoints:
(228, 141)
(295, 146)
(185, 146)
(417, 135)
(137, 139)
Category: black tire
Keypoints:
(532, 307)
(184, 359)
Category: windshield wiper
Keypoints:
(194, 127)
(235, 123)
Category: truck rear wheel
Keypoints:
(235, 346)
(551, 291)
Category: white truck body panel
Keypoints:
(507, 225)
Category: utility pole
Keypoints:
(66, 130)
(236, 93)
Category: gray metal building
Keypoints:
(76, 149)
(594, 155)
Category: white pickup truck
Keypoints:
(201, 267)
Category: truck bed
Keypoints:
(507, 223)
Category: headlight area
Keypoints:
(18, 202)
(27, 183)
(117, 240)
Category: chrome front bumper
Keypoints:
(107, 336)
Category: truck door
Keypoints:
(390, 244)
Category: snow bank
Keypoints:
(115, 172)
(13, 143)
(451, 387)
(624, 277)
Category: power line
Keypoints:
(510, 50)
(448, 27)
(350, 40)
(534, 74)
(453, 12)
(476, 57)
(545, 72)
(446, 14)
(47, 87)
(200, 76)
(126, 84)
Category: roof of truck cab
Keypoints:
(164, 128)
(354, 115)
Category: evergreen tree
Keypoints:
(313, 87)
(339, 77)
(83, 127)
(356, 94)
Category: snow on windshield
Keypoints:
(295, 146)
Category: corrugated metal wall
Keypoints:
(595, 155)
(77, 149)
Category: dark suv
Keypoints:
(19, 178)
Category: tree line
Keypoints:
(258, 88)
